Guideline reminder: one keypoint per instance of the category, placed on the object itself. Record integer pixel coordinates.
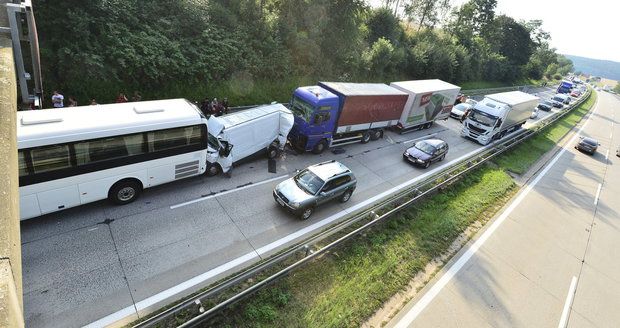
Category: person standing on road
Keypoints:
(72, 102)
(225, 105)
(136, 96)
(121, 98)
(57, 100)
(465, 114)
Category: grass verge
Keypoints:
(345, 287)
(475, 85)
(519, 159)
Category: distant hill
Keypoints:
(603, 68)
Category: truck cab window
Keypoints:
(302, 108)
(321, 118)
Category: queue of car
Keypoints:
(332, 180)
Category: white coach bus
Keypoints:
(72, 156)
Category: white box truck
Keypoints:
(236, 136)
(429, 100)
(498, 114)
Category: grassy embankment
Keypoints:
(349, 285)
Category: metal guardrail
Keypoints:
(367, 218)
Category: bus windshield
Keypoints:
(302, 108)
(482, 118)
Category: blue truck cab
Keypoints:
(565, 87)
(316, 113)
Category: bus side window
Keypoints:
(50, 158)
(134, 144)
(108, 148)
(167, 139)
(194, 134)
(23, 167)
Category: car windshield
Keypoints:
(308, 181)
(548, 103)
(482, 118)
(302, 108)
(213, 142)
(425, 147)
(590, 142)
(560, 99)
(462, 107)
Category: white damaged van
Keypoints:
(236, 136)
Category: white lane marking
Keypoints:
(93, 229)
(598, 193)
(607, 155)
(420, 138)
(150, 301)
(227, 192)
(568, 303)
(130, 310)
(112, 318)
(427, 298)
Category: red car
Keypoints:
(575, 93)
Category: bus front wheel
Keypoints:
(213, 169)
(125, 191)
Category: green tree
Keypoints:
(383, 24)
(511, 39)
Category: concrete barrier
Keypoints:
(11, 300)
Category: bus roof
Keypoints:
(58, 125)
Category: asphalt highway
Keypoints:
(551, 256)
(101, 263)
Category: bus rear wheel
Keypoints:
(125, 192)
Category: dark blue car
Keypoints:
(424, 152)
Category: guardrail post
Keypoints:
(11, 301)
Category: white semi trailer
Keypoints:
(429, 100)
(236, 136)
(498, 114)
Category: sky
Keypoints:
(584, 28)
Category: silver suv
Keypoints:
(315, 185)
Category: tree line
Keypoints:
(258, 50)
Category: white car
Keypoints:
(458, 110)
(534, 113)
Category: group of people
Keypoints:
(214, 107)
(123, 99)
(58, 100)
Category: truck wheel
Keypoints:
(272, 152)
(213, 169)
(428, 125)
(124, 191)
(376, 134)
(320, 147)
(366, 137)
(306, 213)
